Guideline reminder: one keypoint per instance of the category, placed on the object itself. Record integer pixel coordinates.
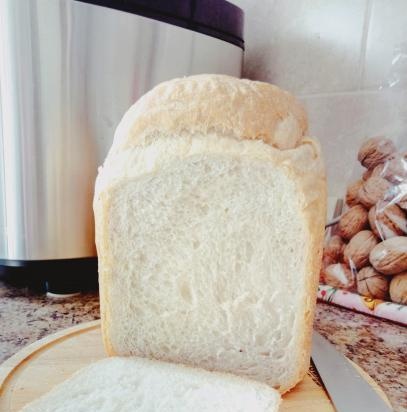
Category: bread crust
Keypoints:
(218, 104)
(311, 184)
(100, 206)
(300, 158)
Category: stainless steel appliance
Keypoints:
(68, 71)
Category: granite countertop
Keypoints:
(378, 346)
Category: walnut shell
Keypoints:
(372, 284)
(352, 193)
(357, 251)
(375, 151)
(338, 275)
(398, 288)
(390, 256)
(352, 221)
(333, 251)
(373, 190)
(387, 220)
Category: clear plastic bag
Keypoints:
(366, 244)
(366, 247)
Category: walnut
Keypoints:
(390, 256)
(387, 220)
(372, 284)
(398, 288)
(352, 221)
(338, 275)
(356, 252)
(375, 151)
(373, 190)
(352, 193)
(333, 251)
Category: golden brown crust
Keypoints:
(309, 174)
(315, 217)
(100, 208)
(217, 104)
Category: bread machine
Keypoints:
(68, 71)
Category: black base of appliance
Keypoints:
(59, 276)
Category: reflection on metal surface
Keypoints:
(68, 72)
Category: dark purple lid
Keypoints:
(216, 18)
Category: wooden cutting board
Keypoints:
(37, 368)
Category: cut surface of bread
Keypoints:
(133, 384)
(209, 251)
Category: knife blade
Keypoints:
(346, 387)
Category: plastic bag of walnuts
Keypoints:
(366, 251)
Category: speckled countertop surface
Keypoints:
(27, 316)
(378, 346)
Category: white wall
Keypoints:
(340, 57)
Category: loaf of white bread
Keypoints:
(210, 211)
(133, 384)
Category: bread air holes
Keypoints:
(260, 340)
(196, 243)
(277, 336)
(141, 258)
(136, 311)
(249, 251)
(204, 208)
(238, 267)
(279, 354)
(185, 291)
(207, 168)
(166, 283)
(164, 350)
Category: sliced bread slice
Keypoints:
(133, 384)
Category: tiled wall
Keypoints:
(345, 59)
